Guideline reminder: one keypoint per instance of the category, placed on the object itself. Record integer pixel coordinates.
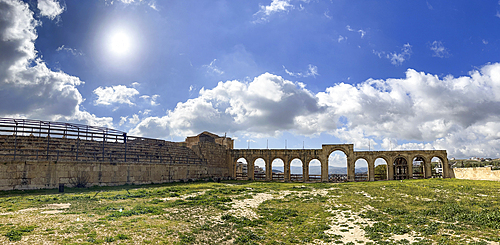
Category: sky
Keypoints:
(382, 75)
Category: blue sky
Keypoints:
(380, 74)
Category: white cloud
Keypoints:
(439, 49)
(50, 8)
(71, 50)
(276, 6)
(266, 106)
(459, 114)
(498, 14)
(29, 89)
(119, 94)
(397, 59)
(311, 72)
(362, 32)
(134, 120)
(327, 14)
(341, 38)
(213, 69)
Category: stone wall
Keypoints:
(49, 174)
(481, 173)
(28, 162)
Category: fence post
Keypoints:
(125, 141)
(48, 142)
(77, 144)
(15, 141)
(103, 140)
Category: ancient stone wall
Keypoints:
(481, 173)
(16, 175)
(28, 162)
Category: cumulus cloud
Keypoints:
(439, 50)
(266, 106)
(50, 8)
(311, 72)
(118, 94)
(27, 87)
(276, 6)
(460, 114)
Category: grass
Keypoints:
(432, 211)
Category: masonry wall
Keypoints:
(41, 162)
(217, 158)
(49, 174)
(481, 173)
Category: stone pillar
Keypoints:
(269, 171)
(286, 168)
(324, 168)
(427, 169)
(390, 169)
(305, 170)
(250, 168)
(446, 168)
(410, 168)
(350, 169)
(371, 169)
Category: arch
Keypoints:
(401, 168)
(337, 167)
(241, 168)
(437, 166)
(259, 169)
(277, 169)
(314, 170)
(361, 169)
(419, 167)
(296, 170)
(381, 173)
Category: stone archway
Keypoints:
(401, 168)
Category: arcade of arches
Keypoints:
(400, 163)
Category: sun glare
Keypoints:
(120, 43)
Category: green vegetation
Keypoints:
(432, 211)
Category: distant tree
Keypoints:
(380, 171)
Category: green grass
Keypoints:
(433, 211)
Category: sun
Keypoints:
(120, 43)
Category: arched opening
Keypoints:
(314, 173)
(437, 167)
(296, 170)
(259, 169)
(418, 167)
(278, 169)
(337, 166)
(361, 170)
(241, 169)
(380, 170)
(400, 168)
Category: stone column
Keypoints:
(286, 168)
(305, 170)
(410, 168)
(390, 169)
(446, 168)
(350, 169)
(250, 168)
(371, 169)
(427, 169)
(324, 168)
(269, 171)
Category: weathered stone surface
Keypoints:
(481, 173)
